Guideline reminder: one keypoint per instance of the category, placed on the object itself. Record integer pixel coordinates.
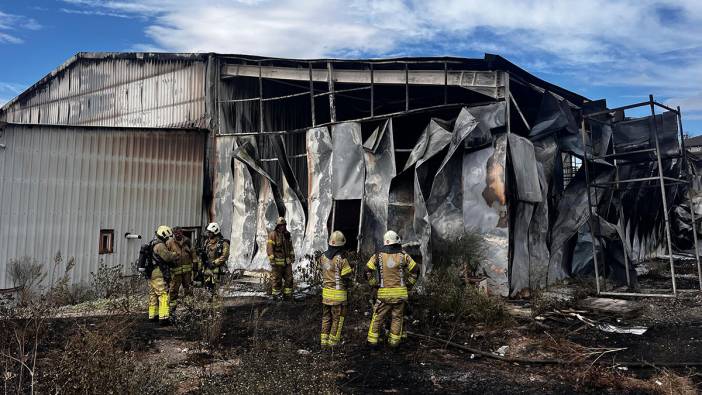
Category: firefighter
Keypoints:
(281, 256)
(164, 257)
(336, 276)
(182, 275)
(217, 254)
(392, 271)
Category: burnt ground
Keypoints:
(265, 346)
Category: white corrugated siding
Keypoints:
(118, 92)
(60, 185)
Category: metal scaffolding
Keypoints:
(662, 182)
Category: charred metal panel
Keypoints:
(348, 172)
(485, 208)
(59, 186)
(244, 216)
(380, 170)
(538, 238)
(433, 140)
(319, 196)
(267, 214)
(572, 214)
(117, 91)
(224, 185)
(445, 202)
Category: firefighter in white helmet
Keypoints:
(164, 257)
(336, 277)
(281, 256)
(392, 271)
(217, 255)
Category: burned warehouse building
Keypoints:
(108, 146)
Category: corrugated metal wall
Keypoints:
(60, 185)
(112, 91)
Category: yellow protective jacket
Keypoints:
(165, 257)
(392, 272)
(217, 250)
(279, 248)
(335, 274)
(187, 254)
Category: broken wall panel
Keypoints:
(528, 193)
(538, 238)
(379, 153)
(267, 214)
(485, 209)
(434, 139)
(524, 163)
(445, 202)
(224, 185)
(348, 171)
(489, 118)
(319, 200)
(637, 134)
(295, 217)
(244, 217)
(573, 212)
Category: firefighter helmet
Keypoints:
(391, 237)
(213, 227)
(280, 221)
(164, 232)
(337, 239)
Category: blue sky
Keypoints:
(619, 50)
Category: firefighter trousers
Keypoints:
(183, 279)
(395, 309)
(332, 323)
(158, 296)
(282, 279)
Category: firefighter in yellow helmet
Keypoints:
(182, 275)
(164, 257)
(217, 254)
(336, 277)
(392, 271)
(281, 257)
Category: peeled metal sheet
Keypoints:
(489, 117)
(573, 212)
(485, 208)
(295, 217)
(224, 185)
(265, 222)
(556, 117)
(530, 255)
(286, 169)
(380, 170)
(293, 198)
(319, 201)
(244, 217)
(435, 138)
(638, 134)
(519, 259)
(348, 171)
(538, 238)
(524, 167)
(246, 153)
(445, 202)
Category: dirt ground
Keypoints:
(265, 346)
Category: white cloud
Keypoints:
(13, 23)
(630, 43)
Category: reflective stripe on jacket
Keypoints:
(392, 274)
(335, 273)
